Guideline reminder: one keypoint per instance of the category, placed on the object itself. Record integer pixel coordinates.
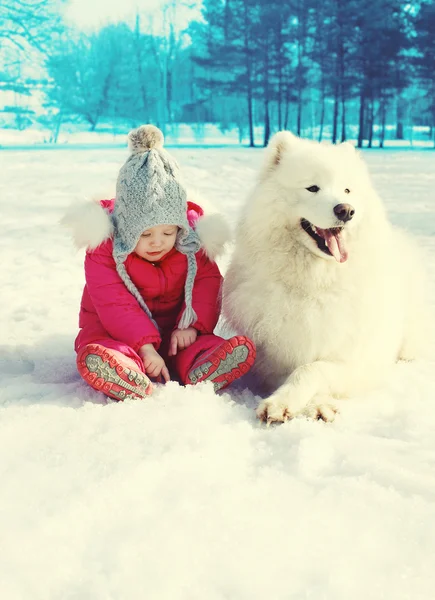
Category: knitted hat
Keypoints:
(149, 192)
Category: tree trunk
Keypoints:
(58, 124)
(342, 68)
(371, 122)
(432, 129)
(251, 120)
(266, 96)
(227, 16)
(287, 106)
(249, 77)
(322, 117)
(266, 123)
(343, 118)
(171, 53)
(322, 106)
(362, 102)
(335, 115)
(383, 114)
(161, 105)
(399, 119)
(299, 114)
(280, 96)
(169, 96)
(300, 88)
(141, 78)
(241, 132)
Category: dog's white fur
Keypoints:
(90, 226)
(322, 328)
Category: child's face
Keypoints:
(157, 241)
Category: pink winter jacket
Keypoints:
(108, 309)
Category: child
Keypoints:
(152, 296)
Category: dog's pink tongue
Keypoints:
(335, 243)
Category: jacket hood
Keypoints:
(90, 224)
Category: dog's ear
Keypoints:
(280, 143)
(347, 147)
(350, 152)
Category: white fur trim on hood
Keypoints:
(214, 232)
(89, 222)
(91, 225)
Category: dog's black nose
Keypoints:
(344, 212)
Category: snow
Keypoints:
(115, 136)
(186, 496)
(73, 135)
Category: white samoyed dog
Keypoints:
(331, 293)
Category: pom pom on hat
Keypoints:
(145, 138)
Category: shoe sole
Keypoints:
(105, 373)
(230, 361)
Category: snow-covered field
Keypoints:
(186, 496)
(74, 135)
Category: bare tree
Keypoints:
(25, 23)
(166, 46)
(83, 74)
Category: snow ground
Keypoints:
(186, 496)
(206, 134)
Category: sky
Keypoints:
(186, 496)
(91, 15)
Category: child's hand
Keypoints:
(153, 362)
(182, 339)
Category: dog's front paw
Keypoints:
(321, 411)
(273, 411)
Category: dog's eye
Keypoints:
(347, 191)
(313, 188)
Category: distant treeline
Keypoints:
(348, 67)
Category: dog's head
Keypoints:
(319, 190)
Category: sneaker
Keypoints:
(224, 364)
(108, 373)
